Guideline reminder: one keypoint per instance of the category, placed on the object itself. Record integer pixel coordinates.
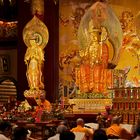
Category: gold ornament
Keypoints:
(36, 29)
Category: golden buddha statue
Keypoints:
(34, 58)
(35, 36)
(93, 75)
(100, 40)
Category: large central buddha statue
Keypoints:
(100, 44)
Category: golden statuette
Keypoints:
(35, 36)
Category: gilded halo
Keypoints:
(36, 30)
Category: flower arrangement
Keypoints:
(24, 106)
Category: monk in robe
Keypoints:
(43, 104)
(116, 131)
(80, 128)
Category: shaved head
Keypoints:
(80, 121)
(61, 128)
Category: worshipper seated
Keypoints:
(64, 122)
(115, 131)
(99, 134)
(137, 133)
(80, 128)
(61, 128)
(100, 120)
(43, 103)
(5, 130)
(67, 135)
(136, 127)
(20, 133)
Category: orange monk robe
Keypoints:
(88, 132)
(46, 105)
(116, 130)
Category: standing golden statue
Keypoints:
(35, 36)
(34, 58)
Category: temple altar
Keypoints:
(90, 105)
(89, 69)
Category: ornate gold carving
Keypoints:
(90, 105)
(36, 29)
(37, 7)
(137, 23)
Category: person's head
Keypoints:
(67, 135)
(80, 122)
(64, 122)
(43, 96)
(6, 128)
(107, 108)
(138, 130)
(99, 113)
(99, 134)
(20, 133)
(61, 128)
(4, 125)
(116, 120)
